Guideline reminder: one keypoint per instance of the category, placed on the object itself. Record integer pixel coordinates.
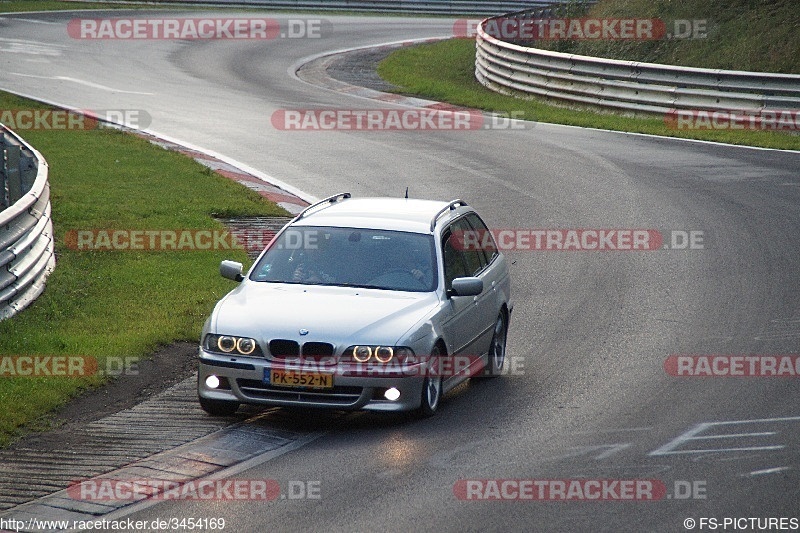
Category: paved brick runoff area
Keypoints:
(255, 232)
(167, 437)
(354, 73)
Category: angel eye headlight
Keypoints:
(362, 353)
(384, 354)
(226, 343)
(381, 354)
(245, 346)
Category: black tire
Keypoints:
(431, 390)
(218, 407)
(497, 350)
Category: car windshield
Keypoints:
(350, 257)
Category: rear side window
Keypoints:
(454, 264)
(472, 256)
(484, 237)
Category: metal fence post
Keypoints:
(12, 171)
(3, 176)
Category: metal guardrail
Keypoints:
(26, 229)
(422, 7)
(625, 85)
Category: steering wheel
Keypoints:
(404, 271)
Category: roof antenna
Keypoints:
(406, 193)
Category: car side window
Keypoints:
(472, 255)
(487, 244)
(453, 260)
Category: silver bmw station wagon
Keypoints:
(382, 304)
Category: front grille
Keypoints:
(317, 349)
(314, 351)
(281, 349)
(338, 395)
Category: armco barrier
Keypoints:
(26, 230)
(625, 85)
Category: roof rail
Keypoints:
(329, 200)
(449, 207)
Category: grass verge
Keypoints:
(116, 303)
(754, 35)
(445, 71)
(16, 6)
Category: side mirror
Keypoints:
(466, 287)
(231, 270)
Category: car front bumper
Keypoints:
(247, 381)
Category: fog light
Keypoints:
(391, 394)
(212, 382)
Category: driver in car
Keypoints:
(409, 261)
(306, 274)
(312, 265)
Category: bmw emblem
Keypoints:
(303, 332)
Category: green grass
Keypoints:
(116, 303)
(755, 35)
(15, 6)
(446, 71)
